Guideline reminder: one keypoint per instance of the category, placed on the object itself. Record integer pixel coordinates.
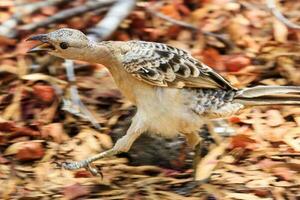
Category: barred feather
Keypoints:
(165, 66)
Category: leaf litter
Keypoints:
(261, 160)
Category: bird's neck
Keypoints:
(99, 53)
(108, 54)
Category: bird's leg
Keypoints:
(122, 145)
(86, 163)
(212, 131)
(197, 143)
(194, 141)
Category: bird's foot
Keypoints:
(73, 165)
(87, 162)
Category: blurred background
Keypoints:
(52, 110)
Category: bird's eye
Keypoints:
(64, 45)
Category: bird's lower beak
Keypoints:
(45, 45)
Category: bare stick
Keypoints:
(8, 28)
(271, 5)
(90, 6)
(120, 10)
(171, 20)
(105, 28)
(102, 30)
(76, 106)
(187, 25)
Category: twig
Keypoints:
(106, 27)
(8, 28)
(76, 106)
(188, 26)
(172, 20)
(271, 5)
(101, 31)
(120, 10)
(90, 6)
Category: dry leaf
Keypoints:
(49, 10)
(234, 63)
(3, 160)
(7, 41)
(75, 191)
(237, 36)
(55, 131)
(285, 173)
(30, 151)
(244, 196)
(292, 138)
(7, 126)
(171, 11)
(82, 174)
(267, 164)
(242, 141)
(43, 77)
(207, 164)
(212, 58)
(44, 93)
(274, 118)
(280, 31)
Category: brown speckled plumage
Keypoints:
(174, 93)
(166, 66)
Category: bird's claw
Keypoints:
(94, 171)
(77, 165)
(72, 165)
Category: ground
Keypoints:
(41, 125)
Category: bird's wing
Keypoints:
(165, 66)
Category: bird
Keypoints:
(175, 94)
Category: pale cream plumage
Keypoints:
(174, 93)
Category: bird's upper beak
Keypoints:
(44, 44)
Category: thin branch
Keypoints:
(8, 28)
(76, 106)
(172, 20)
(60, 16)
(273, 8)
(222, 38)
(120, 10)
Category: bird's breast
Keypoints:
(166, 111)
(128, 85)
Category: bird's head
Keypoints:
(66, 43)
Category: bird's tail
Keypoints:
(269, 95)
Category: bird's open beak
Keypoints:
(44, 44)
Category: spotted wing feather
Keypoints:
(165, 66)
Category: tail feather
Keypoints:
(269, 95)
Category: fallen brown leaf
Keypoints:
(285, 173)
(44, 93)
(30, 151)
(234, 63)
(3, 160)
(242, 141)
(280, 31)
(171, 11)
(75, 191)
(54, 131)
(212, 58)
(274, 118)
